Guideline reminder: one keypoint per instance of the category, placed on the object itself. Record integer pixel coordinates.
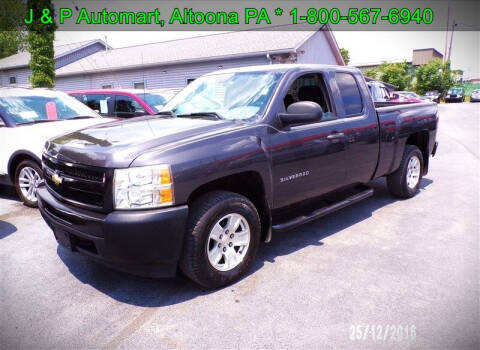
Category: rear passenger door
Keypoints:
(360, 126)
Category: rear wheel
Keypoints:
(27, 175)
(405, 181)
(222, 239)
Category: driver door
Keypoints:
(309, 159)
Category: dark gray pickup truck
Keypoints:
(235, 157)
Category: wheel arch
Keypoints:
(421, 140)
(16, 158)
(249, 184)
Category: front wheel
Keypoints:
(27, 176)
(405, 181)
(222, 239)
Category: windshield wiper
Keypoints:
(210, 115)
(166, 113)
(40, 121)
(81, 117)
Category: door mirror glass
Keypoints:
(301, 113)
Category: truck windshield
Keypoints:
(232, 96)
(455, 91)
(32, 106)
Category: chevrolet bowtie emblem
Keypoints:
(57, 180)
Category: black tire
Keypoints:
(24, 164)
(205, 212)
(397, 181)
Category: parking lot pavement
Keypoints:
(381, 262)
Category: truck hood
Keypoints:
(117, 144)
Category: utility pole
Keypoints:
(451, 40)
(446, 34)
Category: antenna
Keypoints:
(143, 75)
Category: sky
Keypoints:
(363, 46)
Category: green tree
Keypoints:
(345, 55)
(457, 75)
(395, 74)
(371, 73)
(40, 44)
(435, 75)
(12, 28)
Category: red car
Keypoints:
(124, 103)
(405, 96)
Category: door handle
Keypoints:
(336, 136)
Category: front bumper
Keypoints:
(454, 99)
(146, 243)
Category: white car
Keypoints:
(28, 118)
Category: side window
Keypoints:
(99, 103)
(351, 98)
(2, 123)
(310, 87)
(127, 107)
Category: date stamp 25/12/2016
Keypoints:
(378, 333)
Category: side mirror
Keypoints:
(301, 113)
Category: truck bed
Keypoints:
(397, 121)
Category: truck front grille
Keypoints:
(80, 185)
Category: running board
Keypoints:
(285, 226)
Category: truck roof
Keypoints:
(282, 68)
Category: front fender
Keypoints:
(201, 162)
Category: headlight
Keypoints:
(143, 187)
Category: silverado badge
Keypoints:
(57, 180)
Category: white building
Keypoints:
(173, 64)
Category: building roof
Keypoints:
(22, 59)
(376, 63)
(217, 46)
(429, 49)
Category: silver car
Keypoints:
(475, 96)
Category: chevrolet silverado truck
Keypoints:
(236, 156)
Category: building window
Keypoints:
(12, 80)
(189, 80)
(107, 86)
(139, 85)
